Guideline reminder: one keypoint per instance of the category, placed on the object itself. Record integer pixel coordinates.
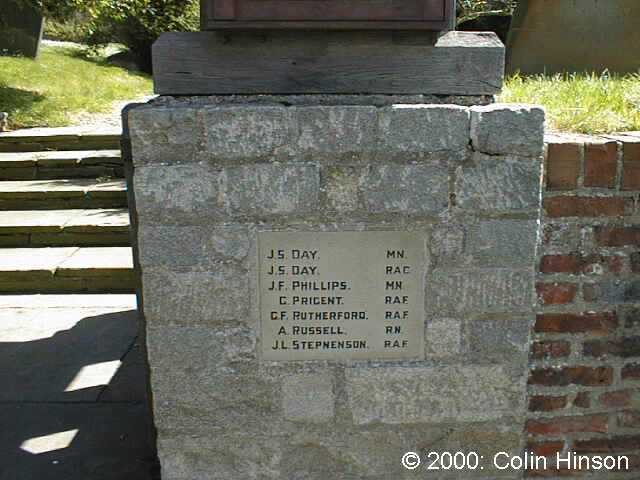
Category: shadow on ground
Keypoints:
(16, 99)
(74, 403)
(123, 59)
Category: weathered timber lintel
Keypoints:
(217, 63)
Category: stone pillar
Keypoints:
(209, 178)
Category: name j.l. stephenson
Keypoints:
(563, 461)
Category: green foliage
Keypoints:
(581, 103)
(138, 23)
(58, 9)
(134, 23)
(471, 9)
(73, 29)
(62, 83)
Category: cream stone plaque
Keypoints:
(342, 295)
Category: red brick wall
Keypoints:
(584, 383)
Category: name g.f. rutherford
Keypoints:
(564, 461)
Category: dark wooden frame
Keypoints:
(210, 22)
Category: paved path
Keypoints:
(74, 403)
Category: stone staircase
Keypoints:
(69, 325)
(63, 214)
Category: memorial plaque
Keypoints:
(341, 295)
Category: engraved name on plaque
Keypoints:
(341, 295)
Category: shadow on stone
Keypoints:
(75, 400)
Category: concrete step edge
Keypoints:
(69, 138)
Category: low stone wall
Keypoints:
(208, 179)
(584, 390)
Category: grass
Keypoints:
(63, 82)
(586, 103)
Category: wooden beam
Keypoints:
(292, 62)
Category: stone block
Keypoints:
(407, 395)
(486, 439)
(197, 193)
(447, 243)
(301, 461)
(201, 348)
(308, 398)
(486, 290)
(342, 185)
(503, 243)
(165, 135)
(207, 380)
(424, 128)
(498, 340)
(219, 457)
(176, 194)
(247, 131)
(196, 297)
(506, 129)
(336, 130)
(409, 189)
(498, 184)
(443, 338)
(191, 246)
(273, 189)
(373, 453)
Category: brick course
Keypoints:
(558, 425)
(550, 349)
(600, 164)
(556, 293)
(594, 323)
(585, 347)
(564, 171)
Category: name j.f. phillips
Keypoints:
(563, 461)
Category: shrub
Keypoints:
(138, 23)
(134, 23)
(58, 9)
(471, 9)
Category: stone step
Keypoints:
(61, 228)
(65, 164)
(67, 270)
(67, 138)
(62, 194)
